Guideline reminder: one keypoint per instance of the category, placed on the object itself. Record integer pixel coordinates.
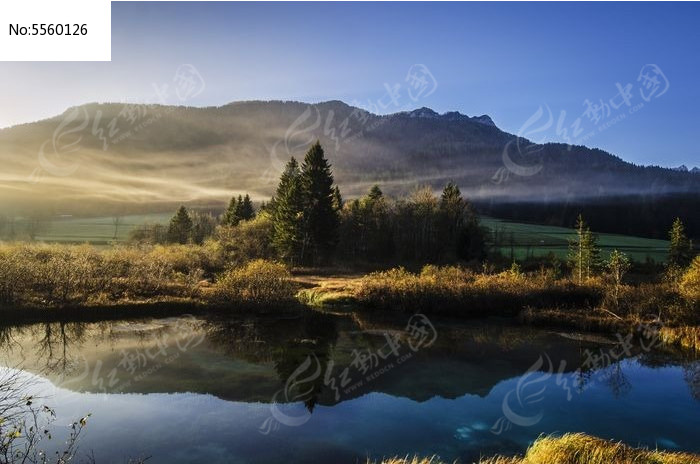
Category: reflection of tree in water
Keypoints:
(54, 341)
(691, 375)
(616, 379)
(286, 343)
(8, 338)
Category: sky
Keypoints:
(567, 72)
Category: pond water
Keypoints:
(343, 388)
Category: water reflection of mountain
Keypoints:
(316, 358)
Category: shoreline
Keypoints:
(338, 293)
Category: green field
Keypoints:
(538, 240)
(98, 230)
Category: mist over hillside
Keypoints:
(97, 158)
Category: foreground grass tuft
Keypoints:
(576, 448)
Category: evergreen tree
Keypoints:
(321, 219)
(583, 251)
(459, 225)
(180, 227)
(288, 213)
(337, 199)
(246, 212)
(680, 252)
(452, 206)
(231, 215)
(239, 208)
(374, 237)
(375, 193)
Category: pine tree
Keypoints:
(288, 213)
(230, 217)
(337, 199)
(321, 219)
(583, 251)
(452, 205)
(375, 193)
(680, 252)
(239, 208)
(180, 227)
(246, 212)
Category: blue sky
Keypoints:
(506, 60)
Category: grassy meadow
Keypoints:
(97, 230)
(534, 240)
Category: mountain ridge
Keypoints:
(156, 154)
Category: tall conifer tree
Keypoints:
(288, 213)
(230, 217)
(321, 219)
(180, 226)
(247, 212)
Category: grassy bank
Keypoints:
(63, 278)
(456, 291)
(542, 298)
(576, 448)
(45, 280)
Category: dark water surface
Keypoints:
(342, 388)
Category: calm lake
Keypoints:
(342, 388)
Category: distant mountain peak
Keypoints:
(484, 119)
(423, 112)
(428, 113)
(681, 168)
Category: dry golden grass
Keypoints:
(410, 460)
(685, 337)
(456, 291)
(575, 448)
(690, 282)
(258, 282)
(579, 448)
(331, 290)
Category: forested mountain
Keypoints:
(97, 157)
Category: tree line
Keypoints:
(307, 223)
(311, 225)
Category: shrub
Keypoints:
(258, 282)
(144, 271)
(248, 240)
(690, 282)
(61, 275)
